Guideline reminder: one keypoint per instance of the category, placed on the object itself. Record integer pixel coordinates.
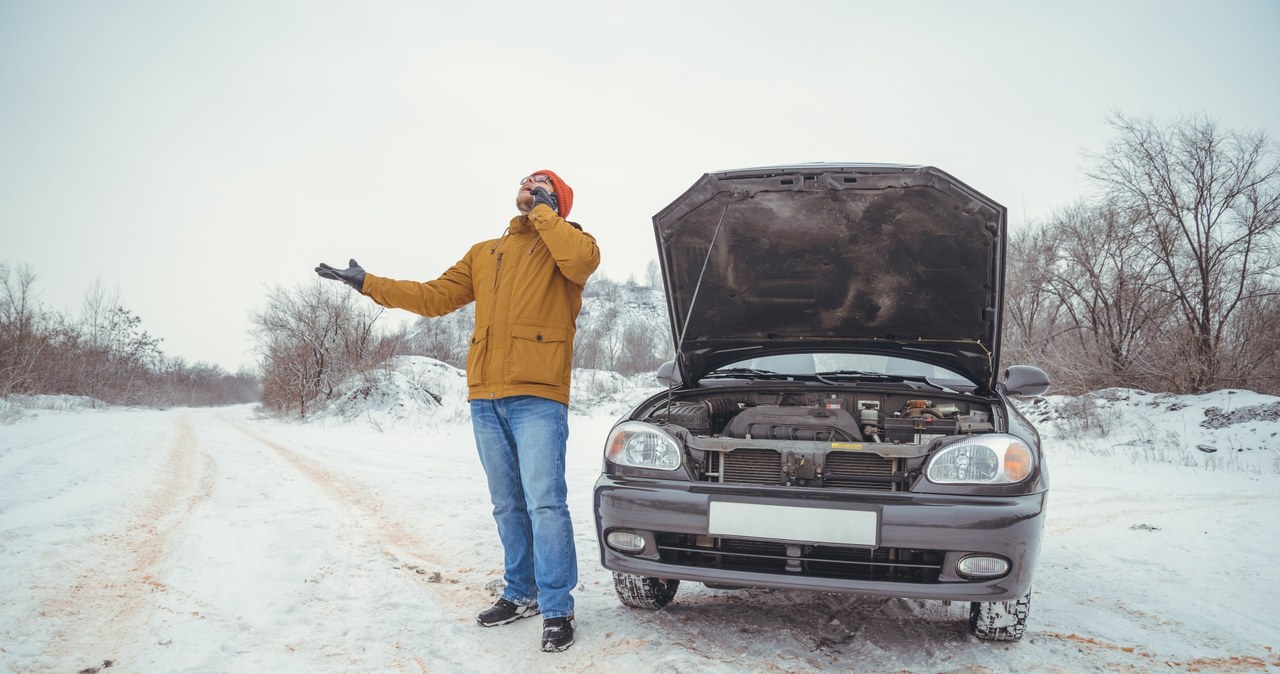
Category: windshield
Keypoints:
(801, 364)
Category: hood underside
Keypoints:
(896, 260)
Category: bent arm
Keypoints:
(575, 251)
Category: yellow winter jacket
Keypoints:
(527, 286)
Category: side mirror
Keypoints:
(669, 374)
(1025, 380)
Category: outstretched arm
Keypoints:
(450, 292)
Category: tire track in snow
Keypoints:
(1232, 663)
(408, 551)
(107, 601)
(440, 580)
(400, 545)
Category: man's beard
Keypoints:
(524, 202)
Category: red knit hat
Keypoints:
(564, 193)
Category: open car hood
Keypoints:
(904, 261)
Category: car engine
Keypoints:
(809, 439)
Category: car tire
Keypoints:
(642, 592)
(999, 620)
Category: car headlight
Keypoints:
(641, 445)
(982, 459)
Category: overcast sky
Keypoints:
(194, 155)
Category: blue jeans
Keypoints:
(521, 441)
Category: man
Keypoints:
(527, 286)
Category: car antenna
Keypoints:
(694, 300)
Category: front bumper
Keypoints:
(919, 539)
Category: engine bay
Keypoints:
(856, 439)
(889, 418)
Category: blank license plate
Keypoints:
(790, 523)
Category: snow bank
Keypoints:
(603, 392)
(1222, 430)
(410, 391)
(19, 407)
(56, 403)
(10, 412)
(416, 391)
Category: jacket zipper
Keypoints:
(493, 314)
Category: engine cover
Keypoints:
(794, 423)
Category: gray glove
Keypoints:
(352, 275)
(541, 196)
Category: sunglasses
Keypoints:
(536, 178)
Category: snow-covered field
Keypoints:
(218, 541)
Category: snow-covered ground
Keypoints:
(218, 541)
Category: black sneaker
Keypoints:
(557, 634)
(504, 612)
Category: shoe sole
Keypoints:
(552, 649)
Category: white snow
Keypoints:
(198, 540)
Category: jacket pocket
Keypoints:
(477, 354)
(538, 355)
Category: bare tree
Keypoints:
(1207, 204)
(132, 355)
(104, 354)
(107, 355)
(586, 347)
(1253, 345)
(617, 329)
(1110, 288)
(608, 334)
(21, 340)
(652, 275)
(311, 339)
(603, 287)
(642, 348)
(1031, 312)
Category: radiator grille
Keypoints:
(851, 470)
(901, 565)
(859, 471)
(753, 466)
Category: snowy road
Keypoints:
(211, 541)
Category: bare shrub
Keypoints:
(313, 337)
(445, 338)
(1087, 415)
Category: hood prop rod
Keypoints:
(694, 300)
(703, 272)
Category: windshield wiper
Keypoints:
(880, 376)
(855, 373)
(737, 371)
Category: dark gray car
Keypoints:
(834, 420)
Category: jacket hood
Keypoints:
(895, 260)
